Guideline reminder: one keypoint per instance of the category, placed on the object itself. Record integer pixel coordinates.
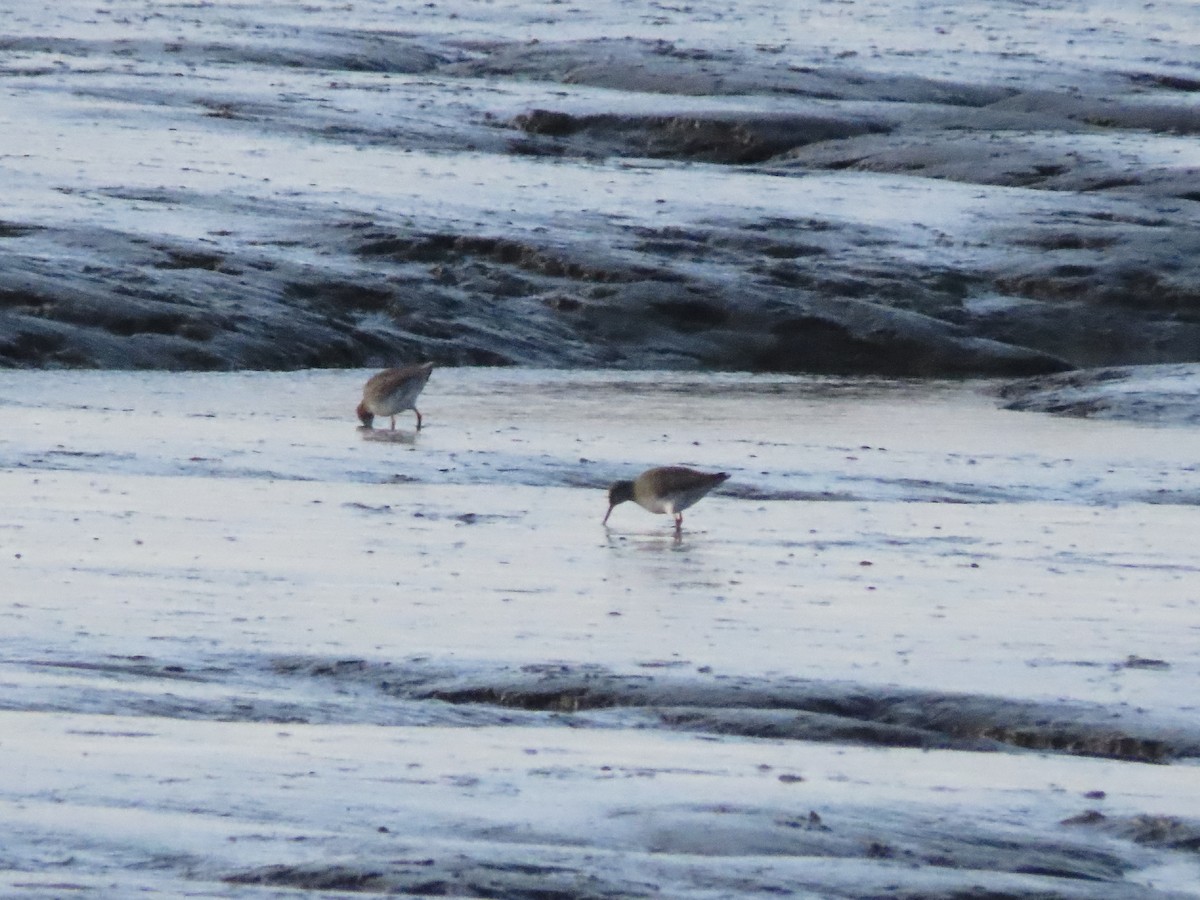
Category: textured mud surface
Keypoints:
(851, 188)
(1164, 395)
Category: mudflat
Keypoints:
(886, 188)
(916, 644)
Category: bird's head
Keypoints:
(619, 492)
(365, 415)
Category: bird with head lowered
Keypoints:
(664, 489)
(393, 391)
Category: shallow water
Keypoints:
(854, 511)
(192, 550)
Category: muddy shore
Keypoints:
(925, 647)
(921, 278)
(229, 192)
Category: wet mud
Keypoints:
(1164, 395)
(433, 692)
(791, 709)
(919, 647)
(438, 693)
(1077, 248)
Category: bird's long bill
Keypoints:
(611, 507)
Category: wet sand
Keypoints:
(916, 640)
(864, 187)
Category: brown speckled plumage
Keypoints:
(393, 391)
(665, 489)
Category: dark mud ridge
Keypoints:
(792, 709)
(797, 844)
(974, 863)
(1108, 274)
(1162, 394)
(840, 850)
(428, 692)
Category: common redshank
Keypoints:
(393, 391)
(665, 489)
